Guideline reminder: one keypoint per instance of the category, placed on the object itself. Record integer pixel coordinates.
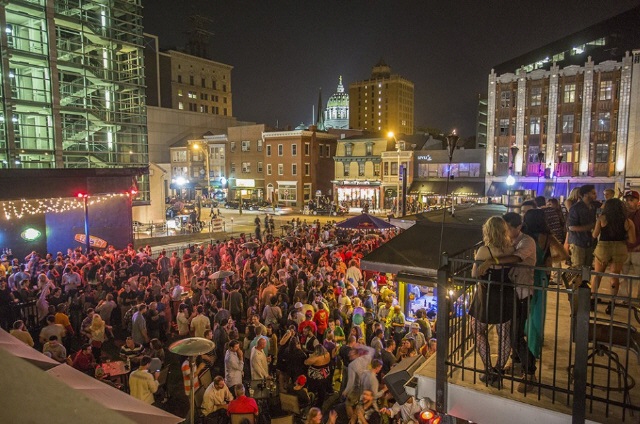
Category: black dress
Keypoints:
(493, 301)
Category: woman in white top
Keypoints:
(493, 301)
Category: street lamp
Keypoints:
(205, 151)
(452, 143)
(540, 160)
(390, 134)
(511, 180)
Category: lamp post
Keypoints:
(452, 143)
(205, 151)
(390, 134)
(540, 160)
(87, 236)
(511, 179)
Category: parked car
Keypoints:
(179, 208)
(232, 204)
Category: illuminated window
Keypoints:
(534, 125)
(570, 93)
(605, 90)
(567, 124)
(268, 169)
(280, 169)
(536, 96)
(602, 153)
(180, 105)
(604, 121)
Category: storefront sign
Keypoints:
(247, 183)
(216, 225)
(425, 157)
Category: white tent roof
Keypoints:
(20, 349)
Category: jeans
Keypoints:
(518, 341)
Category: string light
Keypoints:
(19, 208)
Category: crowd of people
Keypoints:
(295, 312)
(586, 233)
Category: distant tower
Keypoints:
(199, 36)
(336, 115)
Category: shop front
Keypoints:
(358, 194)
(246, 189)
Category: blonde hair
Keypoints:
(574, 195)
(97, 323)
(495, 233)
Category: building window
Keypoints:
(268, 149)
(307, 169)
(180, 93)
(505, 99)
(307, 149)
(604, 121)
(394, 168)
(246, 167)
(346, 166)
(605, 90)
(348, 149)
(259, 145)
(179, 78)
(320, 149)
(214, 84)
(376, 169)
(280, 169)
(203, 83)
(503, 155)
(328, 153)
(233, 168)
(268, 169)
(536, 96)
(534, 125)
(191, 80)
(504, 126)
(179, 156)
(567, 124)
(360, 169)
(280, 150)
(259, 167)
(180, 105)
(246, 144)
(287, 193)
(294, 169)
(224, 111)
(224, 87)
(233, 147)
(602, 153)
(294, 150)
(386, 168)
(369, 149)
(569, 93)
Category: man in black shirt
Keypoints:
(387, 356)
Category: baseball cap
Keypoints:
(415, 325)
(301, 380)
(309, 313)
(298, 305)
(632, 193)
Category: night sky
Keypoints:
(284, 51)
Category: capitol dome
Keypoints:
(336, 115)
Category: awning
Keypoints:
(439, 188)
(545, 188)
(417, 250)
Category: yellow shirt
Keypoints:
(143, 385)
(63, 320)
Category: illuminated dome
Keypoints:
(336, 115)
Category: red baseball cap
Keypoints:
(632, 193)
(301, 380)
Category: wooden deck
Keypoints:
(558, 349)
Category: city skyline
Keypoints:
(292, 51)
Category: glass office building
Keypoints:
(72, 92)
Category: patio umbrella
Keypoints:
(30, 395)
(250, 245)
(112, 398)
(29, 354)
(365, 221)
(221, 274)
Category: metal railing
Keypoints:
(588, 360)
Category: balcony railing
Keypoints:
(587, 365)
(564, 169)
